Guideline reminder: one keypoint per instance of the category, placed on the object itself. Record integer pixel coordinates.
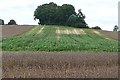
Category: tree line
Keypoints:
(52, 14)
(11, 22)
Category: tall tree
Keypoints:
(72, 20)
(1, 22)
(77, 20)
(115, 28)
(46, 13)
(52, 14)
(66, 11)
(81, 20)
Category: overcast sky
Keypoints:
(103, 13)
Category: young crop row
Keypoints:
(90, 42)
(46, 41)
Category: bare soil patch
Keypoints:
(58, 33)
(96, 32)
(59, 65)
(111, 34)
(73, 31)
(14, 30)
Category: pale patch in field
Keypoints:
(97, 32)
(108, 38)
(66, 32)
(40, 30)
(32, 30)
(74, 31)
(58, 33)
(82, 31)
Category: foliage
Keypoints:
(96, 27)
(2, 22)
(66, 11)
(76, 21)
(12, 22)
(115, 28)
(71, 20)
(52, 14)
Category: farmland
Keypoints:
(52, 38)
(58, 52)
(13, 30)
(59, 65)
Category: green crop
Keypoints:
(47, 41)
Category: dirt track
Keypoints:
(56, 64)
(14, 30)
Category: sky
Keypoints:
(102, 13)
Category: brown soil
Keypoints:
(59, 65)
(111, 34)
(14, 30)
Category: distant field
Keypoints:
(14, 30)
(58, 38)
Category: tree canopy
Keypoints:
(1, 22)
(12, 22)
(52, 14)
(77, 20)
(115, 28)
(96, 27)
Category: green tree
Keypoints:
(66, 11)
(1, 22)
(81, 20)
(72, 20)
(115, 28)
(12, 22)
(46, 13)
(53, 14)
(96, 27)
(77, 20)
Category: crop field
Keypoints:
(59, 65)
(52, 38)
(14, 30)
(58, 52)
